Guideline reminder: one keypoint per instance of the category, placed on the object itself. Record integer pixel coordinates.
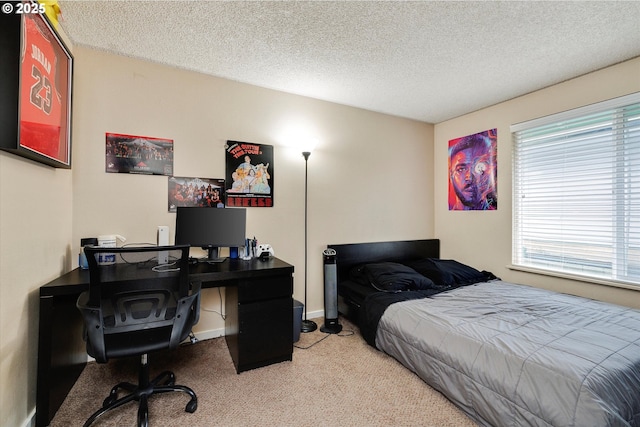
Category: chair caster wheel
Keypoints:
(109, 400)
(191, 406)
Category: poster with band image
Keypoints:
(138, 154)
(195, 192)
(249, 174)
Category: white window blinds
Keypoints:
(576, 183)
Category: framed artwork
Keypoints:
(35, 89)
(249, 174)
(473, 172)
(199, 192)
(138, 154)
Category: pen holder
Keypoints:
(243, 253)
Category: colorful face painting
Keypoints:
(473, 168)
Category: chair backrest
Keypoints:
(135, 304)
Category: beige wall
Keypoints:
(483, 239)
(35, 247)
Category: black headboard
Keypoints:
(351, 254)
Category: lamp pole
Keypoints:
(307, 325)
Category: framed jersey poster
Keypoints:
(38, 74)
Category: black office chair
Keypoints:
(135, 306)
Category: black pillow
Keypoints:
(390, 277)
(448, 272)
(430, 269)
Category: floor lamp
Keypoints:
(307, 325)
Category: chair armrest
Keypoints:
(195, 289)
(187, 315)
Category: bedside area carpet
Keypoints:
(333, 380)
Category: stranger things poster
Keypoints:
(473, 169)
(249, 174)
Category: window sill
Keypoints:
(576, 277)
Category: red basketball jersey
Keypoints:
(43, 112)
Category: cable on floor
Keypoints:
(344, 333)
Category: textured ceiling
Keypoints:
(425, 60)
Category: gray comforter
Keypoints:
(513, 355)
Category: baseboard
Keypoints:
(31, 419)
(216, 333)
(210, 334)
(314, 314)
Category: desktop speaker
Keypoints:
(331, 323)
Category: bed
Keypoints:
(506, 354)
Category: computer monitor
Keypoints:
(211, 228)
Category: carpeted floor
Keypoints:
(339, 381)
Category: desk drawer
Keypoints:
(264, 289)
(265, 334)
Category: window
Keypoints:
(576, 183)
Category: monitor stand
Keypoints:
(212, 255)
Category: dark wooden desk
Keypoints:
(258, 325)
